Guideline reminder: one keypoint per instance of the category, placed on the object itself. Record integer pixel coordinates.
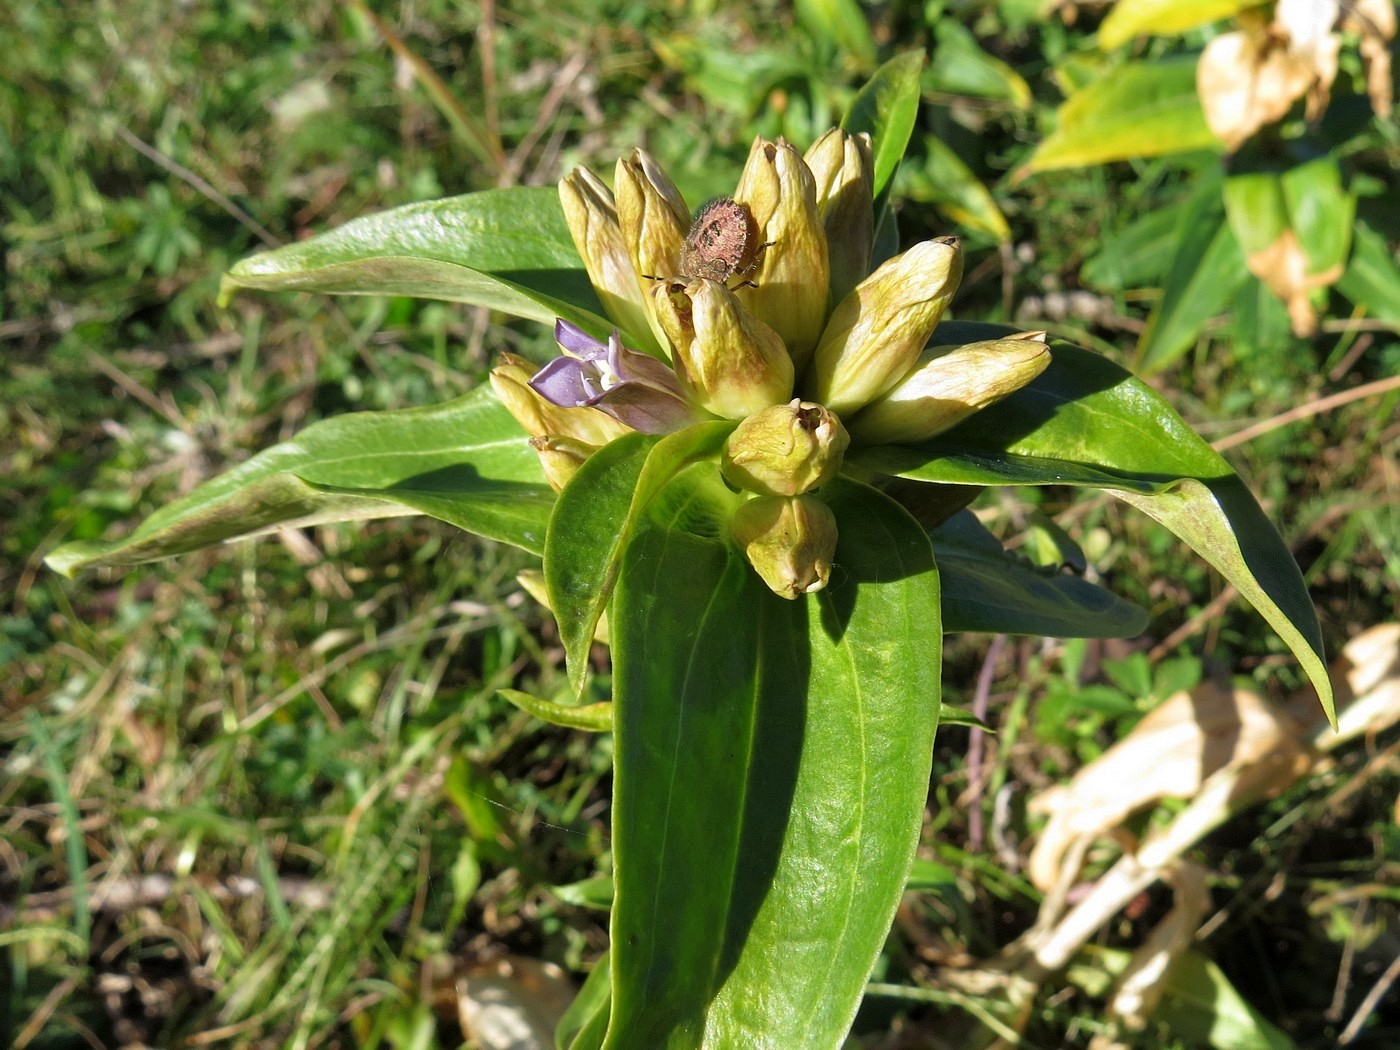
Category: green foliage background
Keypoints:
(272, 782)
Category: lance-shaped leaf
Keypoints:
(887, 107)
(772, 762)
(594, 517)
(465, 461)
(990, 590)
(508, 249)
(1085, 421)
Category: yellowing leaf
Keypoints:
(1130, 18)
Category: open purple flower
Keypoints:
(632, 387)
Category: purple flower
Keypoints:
(632, 387)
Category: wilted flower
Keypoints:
(632, 387)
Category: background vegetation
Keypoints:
(265, 795)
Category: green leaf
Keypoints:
(989, 589)
(772, 763)
(1200, 1005)
(593, 718)
(1207, 271)
(594, 518)
(840, 24)
(1137, 255)
(1130, 18)
(595, 893)
(1140, 109)
(1321, 213)
(466, 462)
(960, 66)
(1086, 421)
(585, 1023)
(950, 185)
(887, 107)
(1372, 277)
(507, 249)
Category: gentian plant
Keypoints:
(754, 455)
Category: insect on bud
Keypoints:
(729, 362)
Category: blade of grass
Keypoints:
(74, 848)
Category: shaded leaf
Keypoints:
(990, 590)
(1372, 276)
(841, 24)
(593, 520)
(1207, 270)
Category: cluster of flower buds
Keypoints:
(762, 310)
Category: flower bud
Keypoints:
(785, 450)
(591, 213)
(560, 458)
(729, 362)
(789, 541)
(542, 418)
(948, 384)
(791, 282)
(844, 173)
(878, 331)
(654, 219)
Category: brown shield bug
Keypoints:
(722, 244)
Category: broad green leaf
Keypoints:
(841, 24)
(949, 184)
(585, 1023)
(1130, 18)
(465, 461)
(886, 107)
(990, 590)
(508, 249)
(1140, 109)
(594, 718)
(1207, 270)
(960, 66)
(1372, 277)
(594, 517)
(1084, 418)
(772, 764)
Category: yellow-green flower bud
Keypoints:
(654, 222)
(540, 418)
(878, 331)
(789, 541)
(728, 362)
(844, 172)
(591, 213)
(790, 285)
(560, 458)
(785, 450)
(948, 384)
